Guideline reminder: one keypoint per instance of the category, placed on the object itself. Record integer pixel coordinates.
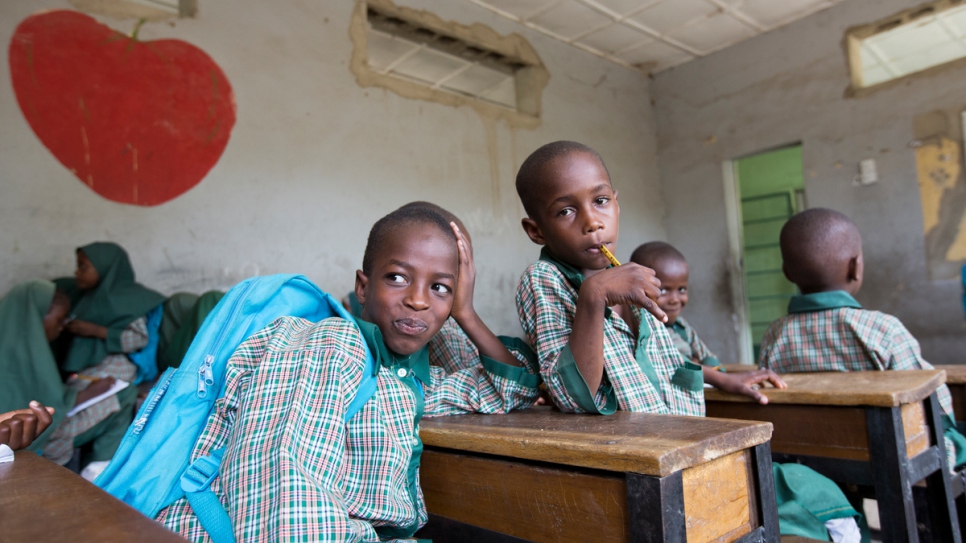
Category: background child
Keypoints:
(31, 315)
(108, 322)
(826, 329)
(671, 269)
(19, 429)
(293, 469)
(598, 351)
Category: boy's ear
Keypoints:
(854, 271)
(361, 281)
(533, 231)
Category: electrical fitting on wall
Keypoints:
(867, 173)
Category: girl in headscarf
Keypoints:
(31, 315)
(108, 322)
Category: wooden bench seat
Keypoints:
(541, 475)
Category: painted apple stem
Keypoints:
(137, 28)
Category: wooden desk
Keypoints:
(41, 501)
(541, 475)
(738, 368)
(874, 429)
(956, 381)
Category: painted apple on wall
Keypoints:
(139, 122)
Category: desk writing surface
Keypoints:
(624, 442)
(955, 373)
(857, 388)
(41, 501)
(739, 368)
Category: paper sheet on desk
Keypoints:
(119, 385)
(6, 454)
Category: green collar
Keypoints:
(573, 275)
(822, 301)
(418, 362)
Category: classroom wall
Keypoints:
(314, 159)
(788, 86)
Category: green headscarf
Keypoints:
(114, 303)
(174, 353)
(26, 361)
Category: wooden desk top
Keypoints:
(41, 501)
(625, 442)
(739, 368)
(955, 373)
(858, 388)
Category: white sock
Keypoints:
(844, 530)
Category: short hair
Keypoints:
(60, 299)
(815, 245)
(445, 213)
(652, 253)
(398, 220)
(530, 178)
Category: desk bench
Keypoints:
(541, 475)
(878, 429)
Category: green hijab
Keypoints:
(26, 361)
(114, 303)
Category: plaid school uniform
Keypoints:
(829, 331)
(294, 471)
(690, 345)
(642, 372)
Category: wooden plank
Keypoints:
(41, 501)
(623, 442)
(956, 380)
(533, 502)
(859, 388)
(955, 373)
(719, 499)
(820, 430)
(739, 368)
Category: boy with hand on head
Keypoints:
(826, 329)
(293, 469)
(671, 269)
(597, 350)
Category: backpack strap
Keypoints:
(196, 483)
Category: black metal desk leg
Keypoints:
(767, 504)
(890, 474)
(655, 508)
(939, 486)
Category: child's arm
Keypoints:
(465, 314)
(19, 428)
(741, 383)
(627, 284)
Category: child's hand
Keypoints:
(741, 383)
(19, 428)
(86, 329)
(629, 284)
(463, 297)
(94, 390)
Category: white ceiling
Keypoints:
(653, 35)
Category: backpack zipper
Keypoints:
(206, 377)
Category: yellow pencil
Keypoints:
(610, 256)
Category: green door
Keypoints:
(771, 187)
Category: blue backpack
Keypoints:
(152, 468)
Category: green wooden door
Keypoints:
(771, 187)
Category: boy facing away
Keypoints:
(671, 269)
(597, 350)
(826, 329)
(293, 469)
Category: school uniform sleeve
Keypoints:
(700, 350)
(489, 386)
(129, 339)
(546, 305)
(283, 474)
(451, 349)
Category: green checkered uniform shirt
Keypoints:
(690, 345)
(642, 372)
(293, 470)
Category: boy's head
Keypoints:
(85, 275)
(56, 314)
(822, 251)
(672, 269)
(446, 214)
(571, 205)
(408, 277)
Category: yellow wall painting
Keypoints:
(942, 187)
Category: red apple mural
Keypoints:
(137, 122)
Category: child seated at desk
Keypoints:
(671, 269)
(293, 469)
(31, 316)
(597, 350)
(826, 329)
(108, 323)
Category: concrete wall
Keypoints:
(314, 159)
(788, 86)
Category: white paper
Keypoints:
(6, 454)
(119, 385)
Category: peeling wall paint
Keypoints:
(942, 187)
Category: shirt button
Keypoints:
(401, 372)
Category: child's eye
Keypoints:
(663, 291)
(567, 211)
(683, 290)
(602, 200)
(395, 278)
(441, 288)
